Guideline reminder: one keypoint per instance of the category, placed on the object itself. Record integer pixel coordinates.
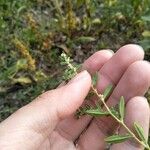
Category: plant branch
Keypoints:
(101, 98)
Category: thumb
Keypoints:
(43, 114)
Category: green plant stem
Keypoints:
(101, 98)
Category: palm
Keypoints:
(57, 142)
(120, 71)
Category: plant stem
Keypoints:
(101, 98)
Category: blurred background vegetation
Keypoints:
(33, 34)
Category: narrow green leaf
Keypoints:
(22, 80)
(95, 78)
(122, 108)
(140, 132)
(117, 138)
(114, 111)
(98, 105)
(146, 18)
(85, 39)
(146, 33)
(107, 91)
(96, 112)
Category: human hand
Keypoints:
(49, 123)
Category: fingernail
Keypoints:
(146, 62)
(79, 77)
(140, 47)
(111, 51)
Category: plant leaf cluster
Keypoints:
(117, 112)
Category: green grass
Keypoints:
(47, 28)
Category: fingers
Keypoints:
(97, 60)
(71, 128)
(113, 70)
(40, 117)
(137, 110)
(129, 86)
(110, 73)
(135, 81)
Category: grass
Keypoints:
(33, 34)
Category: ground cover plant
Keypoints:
(34, 33)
